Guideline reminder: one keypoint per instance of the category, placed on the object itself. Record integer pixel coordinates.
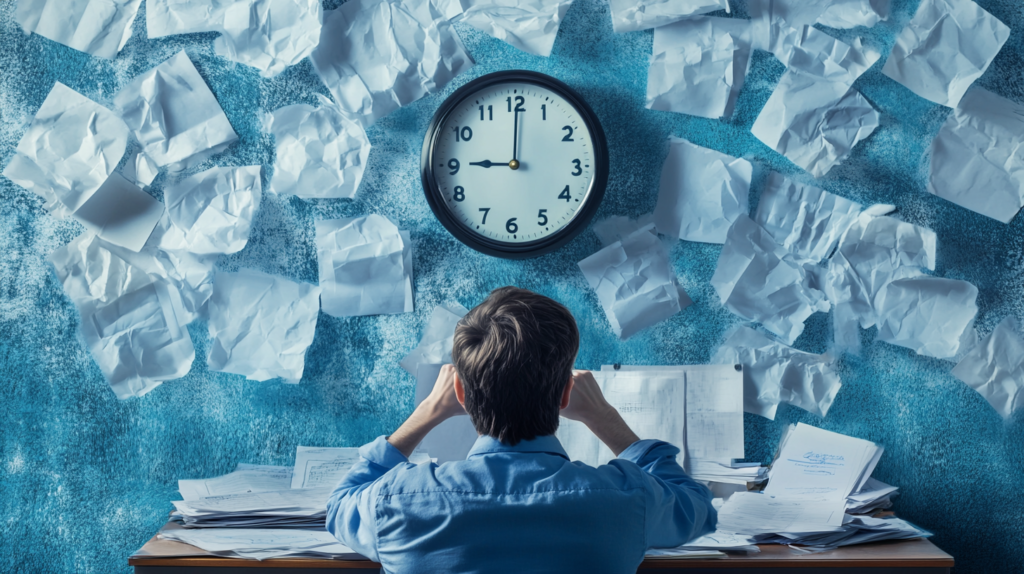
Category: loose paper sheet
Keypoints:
(930, 315)
(774, 373)
(319, 152)
(97, 28)
(435, 345)
(816, 463)
(530, 25)
(69, 151)
(140, 169)
(944, 48)
(174, 115)
(212, 211)
(805, 220)
(263, 543)
(376, 56)
(632, 15)
(995, 368)
(365, 266)
(261, 325)
(977, 159)
(256, 479)
(760, 281)
(698, 66)
(758, 513)
(322, 467)
(635, 282)
(453, 438)
(782, 14)
(702, 192)
(121, 213)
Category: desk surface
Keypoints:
(918, 553)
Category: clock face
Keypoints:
(514, 168)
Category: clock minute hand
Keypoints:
(487, 163)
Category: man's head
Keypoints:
(514, 354)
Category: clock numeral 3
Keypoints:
(511, 226)
(460, 193)
(490, 113)
(578, 169)
(453, 164)
(568, 136)
(463, 135)
(541, 215)
(485, 210)
(565, 194)
(520, 100)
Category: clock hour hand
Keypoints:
(488, 163)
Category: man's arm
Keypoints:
(351, 509)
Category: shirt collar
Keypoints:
(543, 444)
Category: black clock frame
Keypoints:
(526, 250)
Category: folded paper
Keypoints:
(212, 211)
(121, 213)
(97, 28)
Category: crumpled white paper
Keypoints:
(261, 325)
(530, 25)
(435, 345)
(635, 282)
(774, 373)
(814, 117)
(121, 213)
(760, 281)
(702, 192)
(68, 152)
(97, 28)
(269, 35)
(132, 323)
(319, 152)
(617, 227)
(852, 13)
(698, 66)
(944, 48)
(212, 211)
(929, 315)
(995, 368)
(782, 14)
(140, 169)
(977, 159)
(805, 220)
(174, 115)
(365, 266)
(376, 56)
(632, 15)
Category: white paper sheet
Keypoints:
(256, 479)
(435, 345)
(852, 13)
(376, 56)
(617, 227)
(702, 192)
(774, 373)
(263, 543)
(995, 368)
(632, 15)
(530, 25)
(758, 513)
(71, 148)
(261, 325)
(365, 266)
(140, 169)
(121, 213)
(169, 17)
(805, 220)
(760, 281)
(132, 324)
(784, 14)
(292, 502)
(211, 212)
(650, 403)
(930, 315)
(944, 48)
(322, 467)
(635, 282)
(453, 438)
(816, 463)
(319, 152)
(97, 28)
(174, 115)
(977, 159)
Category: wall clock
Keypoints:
(514, 164)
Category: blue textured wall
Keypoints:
(85, 479)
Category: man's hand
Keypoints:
(440, 405)
(588, 405)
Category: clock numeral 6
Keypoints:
(460, 193)
(511, 225)
(542, 216)
(565, 194)
(578, 169)
(453, 164)
(486, 210)
(463, 135)
(568, 136)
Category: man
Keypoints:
(517, 503)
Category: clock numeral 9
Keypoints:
(568, 136)
(541, 215)
(453, 164)
(511, 226)
(578, 169)
(486, 210)
(460, 193)
(565, 194)
(463, 135)
(520, 100)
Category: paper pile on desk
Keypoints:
(995, 368)
(263, 544)
(740, 473)
(90, 27)
(873, 495)
(365, 266)
(435, 345)
(246, 478)
(854, 530)
(290, 508)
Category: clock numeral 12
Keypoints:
(565, 194)
(485, 210)
(465, 134)
(490, 113)
(520, 100)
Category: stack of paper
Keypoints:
(727, 473)
(874, 495)
(264, 544)
(246, 478)
(715, 542)
(817, 463)
(854, 530)
(291, 508)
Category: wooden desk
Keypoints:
(910, 557)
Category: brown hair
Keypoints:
(514, 355)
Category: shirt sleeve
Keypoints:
(678, 507)
(352, 507)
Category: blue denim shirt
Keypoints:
(522, 508)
